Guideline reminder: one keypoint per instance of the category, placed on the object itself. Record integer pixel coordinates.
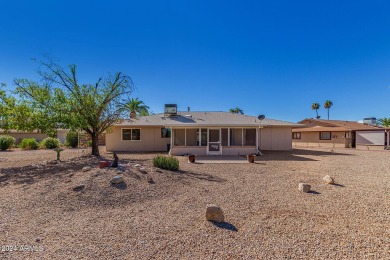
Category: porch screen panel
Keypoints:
(236, 137)
(179, 137)
(192, 137)
(203, 137)
(225, 136)
(250, 137)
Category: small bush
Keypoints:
(164, 162)
(6, 142)
(89, 143)
(72, 139)
(50, 143)
(29, 144)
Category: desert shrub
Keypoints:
(72, 139)
(89, 143)
(6, 142)
(166, 162)
(50, 143)
(29, 144)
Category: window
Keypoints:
(165, 133)
(131, 134)
(325, 136)
(296, 135)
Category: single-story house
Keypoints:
(200, 133)
(339, 133)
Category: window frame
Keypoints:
(330, 135)
(131, 134)
(296, 134)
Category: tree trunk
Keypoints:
(95, 144)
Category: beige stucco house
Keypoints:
(200, 133)
(339, 133)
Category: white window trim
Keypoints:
(131, 136)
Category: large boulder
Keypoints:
(117, 179)
(214, 213)
(304, 187)
(328, 179)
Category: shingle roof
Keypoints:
(349, 125)
(205, 119)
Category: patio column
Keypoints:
(388, 138)
(228, 136)
(242, 136)
(185, 137)
(171, 141)
(200, 137)
(257, 138)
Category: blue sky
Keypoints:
(266, 57)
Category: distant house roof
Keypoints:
(205, 119)
(336, 125)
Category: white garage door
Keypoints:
(370, 137)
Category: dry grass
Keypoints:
(266, 215)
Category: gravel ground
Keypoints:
(266, 216)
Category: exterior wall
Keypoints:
(312, 139)
(370, 147)
(19, 136)
(151, 141)
(275, 138)
(61, 134)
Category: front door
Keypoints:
(214, 142)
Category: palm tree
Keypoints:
(384, 121)
(135, 107)
(327, 105)
(315, 106)
(236, 110)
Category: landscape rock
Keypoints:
(52, 162)
(143, 170)
(304, 187)
(117, 179)
(137, 165)
(150, 180)
(214, 213)
(79, 187)
(328, 179)
(86, 168)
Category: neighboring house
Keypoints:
(200, 133)
(340, 133)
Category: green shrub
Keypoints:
(89, 143)
(6, 142)
(72, 139)
(166, 162)
(50, 143)
(29, 144)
